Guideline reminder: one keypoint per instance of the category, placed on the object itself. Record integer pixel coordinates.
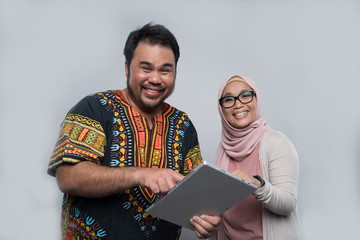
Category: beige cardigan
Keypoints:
(279, 163)
(280, 169)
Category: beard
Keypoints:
(145, 106)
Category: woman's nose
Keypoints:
(238, 103)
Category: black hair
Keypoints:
(153, 34)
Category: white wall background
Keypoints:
(304, 55)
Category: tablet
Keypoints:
(206, 190)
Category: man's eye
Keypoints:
(165, 70)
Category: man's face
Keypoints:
(151, 76)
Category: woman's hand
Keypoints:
(246, 177)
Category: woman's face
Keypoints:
(240, 115)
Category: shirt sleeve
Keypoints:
(81, 136)
(191, 151)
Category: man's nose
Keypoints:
(155, 77)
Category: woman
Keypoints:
(264, 157)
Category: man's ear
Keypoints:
(126, 69)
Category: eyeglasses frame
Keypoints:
(253, 93)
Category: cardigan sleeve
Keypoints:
(280, 168)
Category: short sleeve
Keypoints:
(191, 149)
(81, 136)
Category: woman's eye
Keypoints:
(229, 99)
(246, 94)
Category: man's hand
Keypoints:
(159, 181)
(205, 226)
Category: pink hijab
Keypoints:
(236, 144)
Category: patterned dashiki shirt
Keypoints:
(103, 128)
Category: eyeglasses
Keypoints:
(244, 97)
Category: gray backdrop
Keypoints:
(304, 55)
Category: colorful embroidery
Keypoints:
(78, 225)
(85, 132)
(131, 144)
(135, 205)
(193, 159)
(80, 138)
(143, 147)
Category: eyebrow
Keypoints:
(150, 64)
(230, 95)
(168, 65)
(145, 63)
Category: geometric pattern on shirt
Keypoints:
(135, 145)
(79, 225)
(80, 138)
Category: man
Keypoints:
(118, 151)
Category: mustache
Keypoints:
(154, 87)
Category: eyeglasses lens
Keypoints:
(244, 97)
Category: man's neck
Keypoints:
(148, 115)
